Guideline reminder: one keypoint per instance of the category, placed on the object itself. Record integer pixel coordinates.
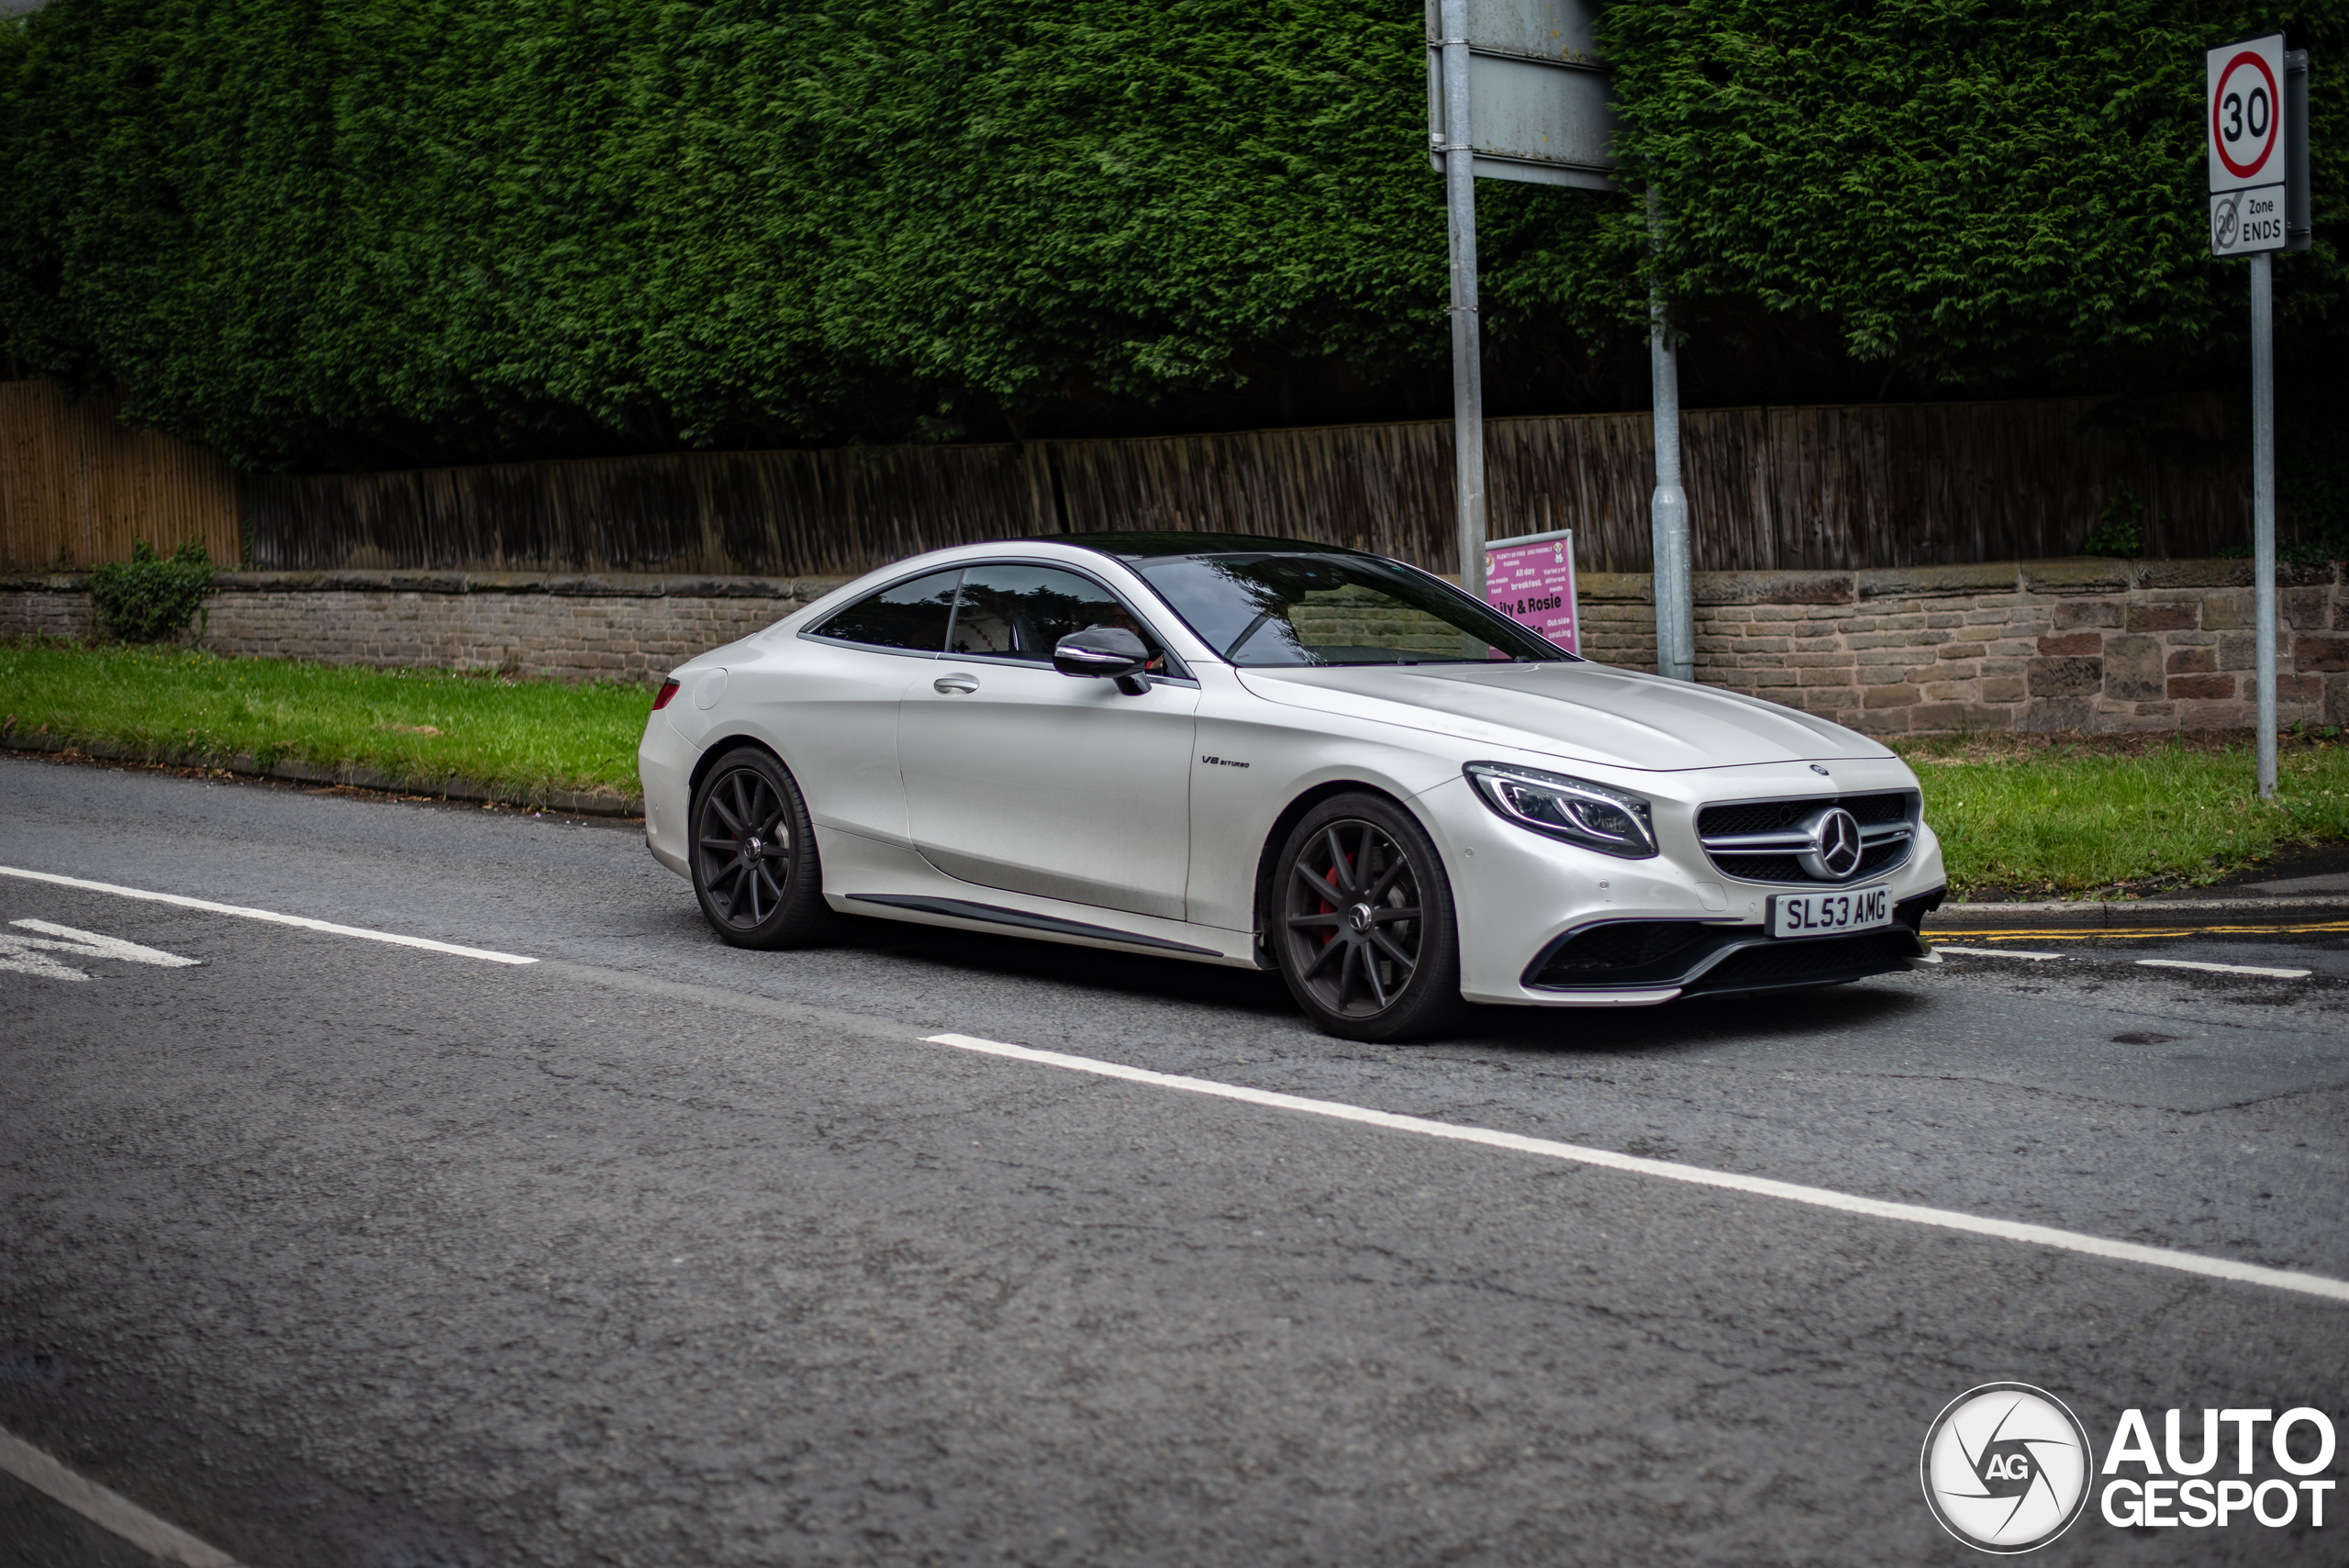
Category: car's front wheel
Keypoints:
(754, 861)
(1362, 922)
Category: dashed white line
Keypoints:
(109, 1510)
(2223, 968)
(271, 916)
(1694, 1175)
(2001, 952)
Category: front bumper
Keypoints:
(1685, 958)
(1681, 925)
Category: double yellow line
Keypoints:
(2110, 933)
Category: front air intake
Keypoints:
(1621, 951)
(1763, 966)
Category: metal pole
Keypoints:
(1467, 373)
(2263, 504)
(1676, 609)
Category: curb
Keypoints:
(576, 803)
(2135, 914)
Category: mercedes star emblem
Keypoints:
(1834, 854)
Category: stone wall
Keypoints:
(2040, 645)
(618, 627)
(2080, 644)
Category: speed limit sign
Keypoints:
(2246, 123)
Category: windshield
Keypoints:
(1334, 609)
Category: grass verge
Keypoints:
(418, 727)
(2069, 817)
(2020, 816)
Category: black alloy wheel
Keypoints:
(753, 853)
(1364, 922)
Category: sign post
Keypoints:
(1542, 113)
(1674, 584)
(1530, 579)
(2251, 203)
(1467, 345)
(1515, 92)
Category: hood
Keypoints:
(1591, 712)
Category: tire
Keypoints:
(753, 854)
(1361, 922)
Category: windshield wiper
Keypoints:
(1254, 628)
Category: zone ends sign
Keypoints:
(2245, 118)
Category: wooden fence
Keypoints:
(77, 486)
(1830, 488)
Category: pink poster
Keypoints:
(1532, 581)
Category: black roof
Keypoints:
(1149, 546)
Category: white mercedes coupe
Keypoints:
(1279, 755)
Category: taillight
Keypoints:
(668, 690)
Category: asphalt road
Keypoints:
(658, 1253)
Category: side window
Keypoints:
(1019, 612)
(911, 615)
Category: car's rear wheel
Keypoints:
(1362, 922)
(754, 861)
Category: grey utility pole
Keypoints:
(2262, 506)
(1467, 360)
(1674, 583)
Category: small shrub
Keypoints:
(2116, 527)
(145, 599)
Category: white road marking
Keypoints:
(209, 907)
(1998, 953)
(1696, 1175)
(109, 1510)
(29, 955)
(2223, 968)
(95, 946)
(21, 955)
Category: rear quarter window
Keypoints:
(912, 615)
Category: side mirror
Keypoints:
(1104, 652)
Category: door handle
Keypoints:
(947, 685)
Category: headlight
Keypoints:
(1576, 810)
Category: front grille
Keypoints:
(1765, 964)
(1888, 822)
(1881, 857)
(1770, 816)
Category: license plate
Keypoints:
(1824, 914)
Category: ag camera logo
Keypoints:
(2006, 1468)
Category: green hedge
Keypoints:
(1981, 190)
(313, 232)
(148, 598)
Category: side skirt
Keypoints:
(995, 915)
(888, 881)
